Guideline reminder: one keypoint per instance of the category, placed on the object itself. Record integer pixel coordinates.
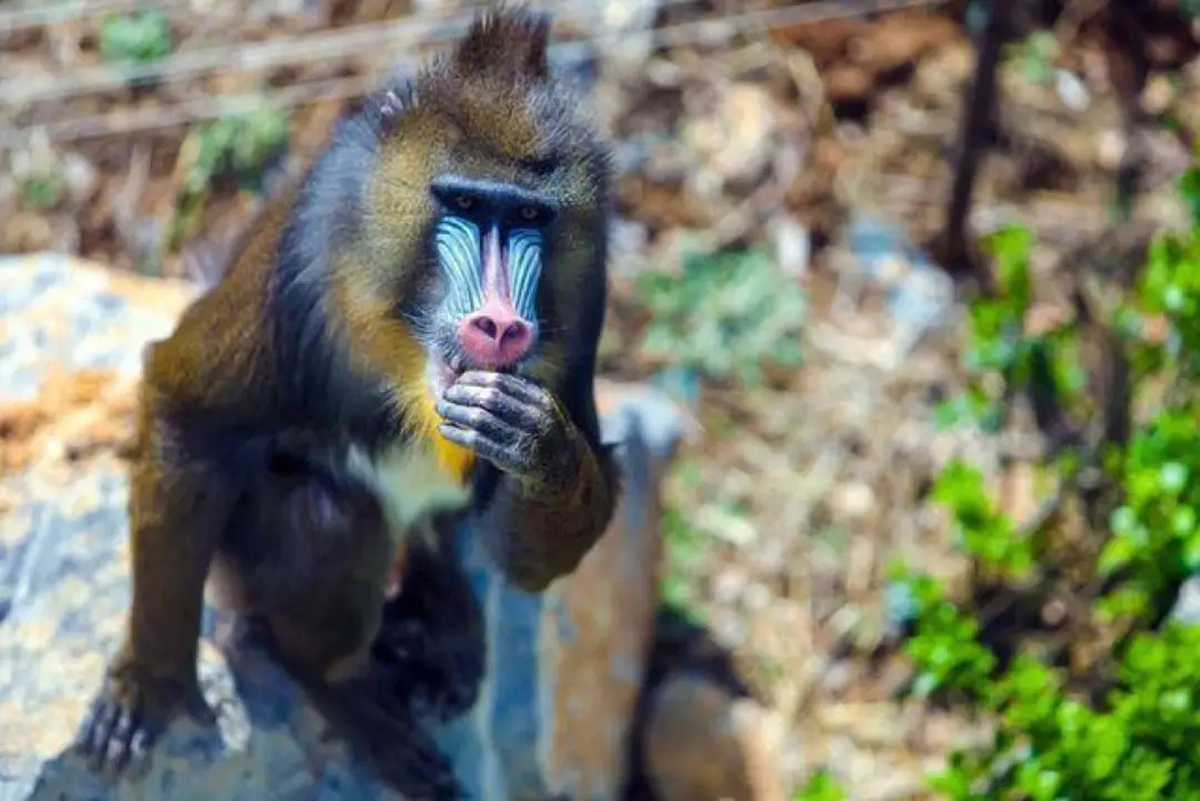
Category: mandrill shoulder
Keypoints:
(257, 348)
(221, 358)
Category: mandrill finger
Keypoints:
(504, 406)
(139, 750)
(99, 729)
(118, 742)
(522, 389)
(477, 419)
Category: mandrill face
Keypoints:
(488, 244)
(483, 231)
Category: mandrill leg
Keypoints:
(309, 556)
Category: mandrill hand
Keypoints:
(515, 424)
(129, 714)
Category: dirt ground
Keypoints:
(817, 141)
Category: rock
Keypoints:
(704, 743)
(901, 38)
(565, 668)
(1072, 91)
(1186, 609)
(1158, 95)
(594, 628)
(852, 503)
(918, 293)
(736, 141)
(1110, 149)
(847, 83)
(792, 245)
(82, 179)
(826, 40)
(943, 73)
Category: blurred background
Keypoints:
(922, 275)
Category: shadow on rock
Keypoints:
(269, 743)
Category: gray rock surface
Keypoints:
(564, 668)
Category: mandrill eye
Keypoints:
(464, 202)
(529, 213)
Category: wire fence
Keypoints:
(378, 47)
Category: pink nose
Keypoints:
(495, 338)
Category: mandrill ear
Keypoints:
(506, 41)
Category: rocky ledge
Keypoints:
(565, 669)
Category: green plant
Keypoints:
(686, 549)
(945, 650)
(1035, 56)
(1167, 288)
(983, 532)
(821, 786)
(1038, 360)
(43, 191)
(1189, 185)
(1130, 728)
(135, 38)
(1142, 743)
(727, 315)
(238, 147)
(1155, 540)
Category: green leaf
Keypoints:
(821, 786)
(136, 38)
(727, 315)
(1116, 554)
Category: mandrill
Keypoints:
(409, 331)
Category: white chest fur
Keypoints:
(408, 483)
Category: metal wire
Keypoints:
(376, 38)
(27, 18)
(357, 41)
(379, 41)
(370, 39)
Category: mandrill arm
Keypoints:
(556, 491)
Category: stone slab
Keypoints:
(564, 667)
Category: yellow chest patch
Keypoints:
(453, 459)
(422, 473)
(419, 408)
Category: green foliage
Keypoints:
(43, 191)
(240, 146)
(1155, 538)
(972, 405)
(1189, 186)
(727, 315)
(983, 532)
(821, 786)
(1035, 57)
(686, 549)
(1040, 362)
(1142, 743)
(1168, 286)
(1155, 534)
(945, 651)
(135, 38)
(1138, 736)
